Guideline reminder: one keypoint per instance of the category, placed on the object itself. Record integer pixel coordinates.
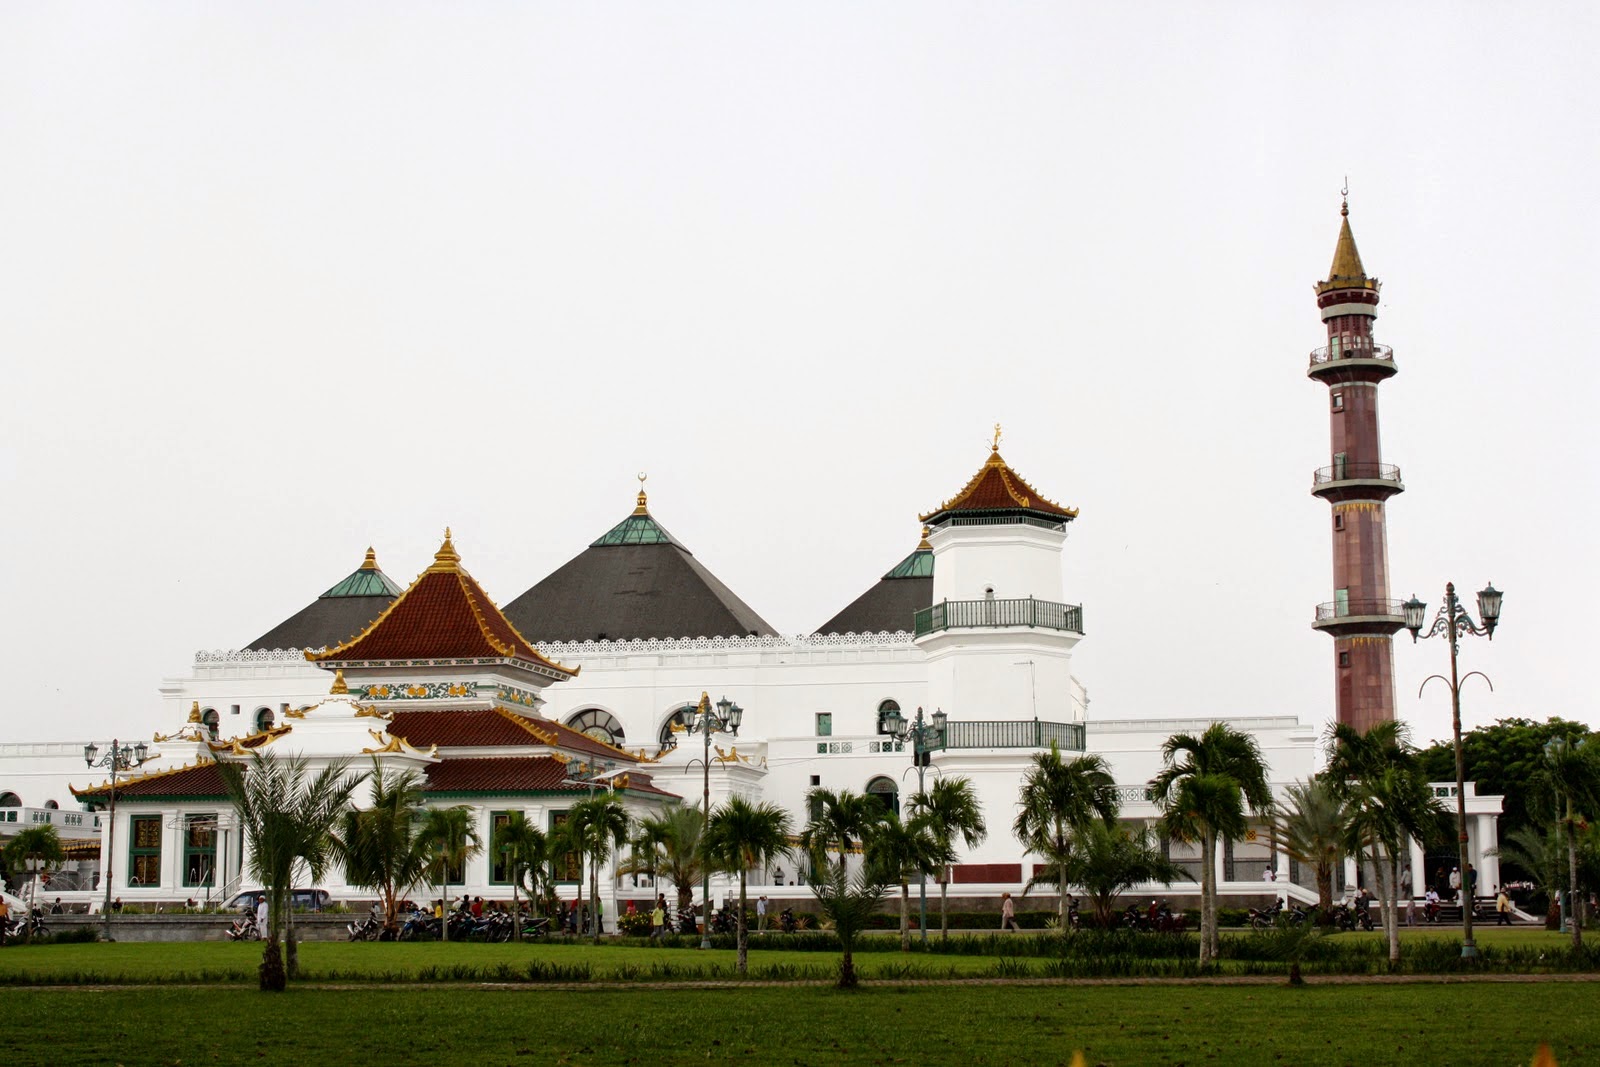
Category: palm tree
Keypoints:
(1203, 790)
(953, 811)
(838, 821)
(1388, 802)
(33, 850)
(1107, 861)
(450, 840)
(523, 845)
(668, 845)
(286, 814)
(1059, 799)
(380, 845)
(848, 903)
(1310, 829)
(1539, 853)
(599, 826)
(742, 837)
(1574, 771)
(903, 850)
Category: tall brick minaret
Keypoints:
(1361, 618)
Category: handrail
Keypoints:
(1333, 353)
(1341, 472)
(1043, 614)
(1343, 609)
(1015, 733)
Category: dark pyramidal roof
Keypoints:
(633, 582)
(891, 604)
(336, 615)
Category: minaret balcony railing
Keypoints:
(1356, 472)
(1355, 350)
(1343, 617)
(1015, 733)
(987, 613)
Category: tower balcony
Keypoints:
(1346, 618)
(1352, 363)
(992, 614)
(1357, 481)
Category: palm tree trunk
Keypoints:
(291, 956)
(1380, 871)
(1207, 876)
(1061, 904)
(744, 934)
(1324, 894)
(1572, 882)
(905, 917)
(1394, 908)
(594, 895)
(847, 966)
(944, 915)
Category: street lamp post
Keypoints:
(925, 740)
(119, 758)
(1453, 622)
(701, 717)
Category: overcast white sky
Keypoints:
(280, 281)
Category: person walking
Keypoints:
(761, 914)
(1502, 907)
(1410, 897)
(1008, 913)
(658, 919)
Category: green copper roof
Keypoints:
(636, 529)
(365, 580)
(917, 565)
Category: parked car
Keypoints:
(299, 899)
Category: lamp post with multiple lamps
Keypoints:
(119, 758)
(925, 739)
(1453, 622)
(726, 717)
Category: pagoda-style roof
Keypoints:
(892, 603)
(496, 728)
(444, 615)
(634, 581)
(1347, 271)
(510, 775)
(336, 615)
(998, 490)
(198, 781)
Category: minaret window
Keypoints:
(264, 720)
(1338, 522)
(668, 737)
(824, 724)
(1344, 659)
(211, 721)
(886, 793)
(1338, 400)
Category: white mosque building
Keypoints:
(593, 667)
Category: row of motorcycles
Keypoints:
(421, 925)
(1343, 916)
(1158, 917)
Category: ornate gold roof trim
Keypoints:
(124, 781)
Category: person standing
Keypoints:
(1269, 875)
(761, 914)
(261, 916)
(1409, 896)
(1008, 913)
(658, 918)
(1455, 883)
(1470, 884)
(1502, 907)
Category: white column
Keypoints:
(1419, 869)
(1349, 873)
(1488, 866)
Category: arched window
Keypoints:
(10, 800)
(883, 711)
(887, 793)
(598, 724)
(264, 720)
(52, 805)
(211, 721)
(668, 736)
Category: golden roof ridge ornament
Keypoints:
(641, 507)
(923, 545)
(194, 712)
(339, 688)
(447, 560)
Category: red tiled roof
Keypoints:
(444, 615)
(203, 780)
(494, 728)
(522, 774)
(996, 487)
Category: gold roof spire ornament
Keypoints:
(923, 545)
(371, 562)
(194, 712)
(339, 688)
(446, 560)
(1347, 271)
(641, 507)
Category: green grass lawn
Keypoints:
(971, 1025)
(221, 961)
